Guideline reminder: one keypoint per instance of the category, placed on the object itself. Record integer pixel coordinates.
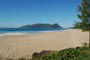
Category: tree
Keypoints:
(84, 16)
(77, 25)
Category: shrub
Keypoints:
(66, 54)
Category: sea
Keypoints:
(22, 31)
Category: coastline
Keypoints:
(17, 46)
(13, 33)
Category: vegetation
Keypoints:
(40, 25)
(78, 53)
(77, 25)
(84, 15)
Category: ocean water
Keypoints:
(21, 31)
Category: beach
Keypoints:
(16, 46)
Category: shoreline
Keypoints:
(25, 33)
(29, 32)
(16, 46)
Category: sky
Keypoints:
(16, 13)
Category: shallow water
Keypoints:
(20, 31)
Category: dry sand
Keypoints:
(26, 45)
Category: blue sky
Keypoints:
(15, 13)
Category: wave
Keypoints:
(21, 33)
(6, 32)
(11, 33)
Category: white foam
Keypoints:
(24, 33)
(12, 33)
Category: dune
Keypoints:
(17, 46)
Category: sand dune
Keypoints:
(25, 45)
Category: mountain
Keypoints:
(42, 26)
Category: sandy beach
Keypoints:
(25, 45)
